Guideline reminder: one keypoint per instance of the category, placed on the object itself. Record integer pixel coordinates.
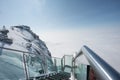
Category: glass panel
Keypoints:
(57, 64)
(81, 68)
(82, 60)
(34, 65)
(11, 65)
(49, 65)
(81, 72)
(67, 63)
(68, 60)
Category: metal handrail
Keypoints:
(14, 50)
(102, 69)
(24, 59)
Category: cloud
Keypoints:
(55, 43)
(15, 12)
(104, 41)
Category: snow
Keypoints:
(12, 62)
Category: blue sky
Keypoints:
(67, 25)
(60, 14)
(84, 13)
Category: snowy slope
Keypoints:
(35, 59)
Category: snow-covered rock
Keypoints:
(22, 54)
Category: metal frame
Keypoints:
(24, 60)
(15, 50)
(102, 69)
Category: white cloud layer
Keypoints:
(105, 42)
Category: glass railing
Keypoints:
(57, 64)
(11, 65)
(34, 65)
(67, 63)
(97, 69)
(80, 69)
(21, 65)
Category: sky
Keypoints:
(66, 25)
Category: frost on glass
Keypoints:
(11, 66)
(22, 54)
(34, 65)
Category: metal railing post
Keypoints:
(102, 69)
